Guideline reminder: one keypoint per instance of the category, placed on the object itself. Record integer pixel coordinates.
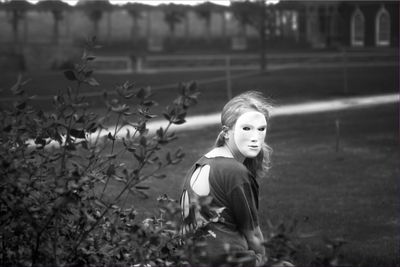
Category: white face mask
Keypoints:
(248, 135)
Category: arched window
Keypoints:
(357, 28)
(382, 27)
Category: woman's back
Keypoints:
(234, 195)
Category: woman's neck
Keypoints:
(238, 156)
(225, 151)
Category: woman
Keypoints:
(228, 174)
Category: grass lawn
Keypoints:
(283, 86)
(353, 193)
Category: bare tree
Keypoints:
(135, 10)
(253, 13)
(221, 10)
(173, 15)
(204, 11)
(95, 10)
(16, 11)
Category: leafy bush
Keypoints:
(57, 166)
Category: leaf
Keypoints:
(40, 141)
(89, 217)
(178, 121)
(142, 187)
(179, 153)
(92, 81)
(77, 133)
(160, 176)
(143, 141)
(120, 108)
(7, 128)
(79, 119)
(167, 116)
(110, 170)
(172, 137)
(88, 73)
(142, 128)
(109, 136)
(70, 75)
(125, 90)
(149, 103)
(100, 203)
(84, 144)
(128, 146)
(140, 154)
(20, 105)
(91, 127)
(143, 93)
(160, 132)
(17, 87)
(153, 160)
(120, 179)
(111, 156)
(168, 157)
(192, 86)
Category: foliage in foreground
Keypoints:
(56, 168)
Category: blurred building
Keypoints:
(346, 23)
(44, 35)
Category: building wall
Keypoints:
(328, 23)
(370, 9)
(76, 25)
(319, 24)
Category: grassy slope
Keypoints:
(352, 194)
(282, 86)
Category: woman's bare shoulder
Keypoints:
(218, 152)
(223, 160)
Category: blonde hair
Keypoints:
(250, 100)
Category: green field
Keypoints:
(352, 193)
(283, 86)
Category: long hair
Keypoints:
(250, 100)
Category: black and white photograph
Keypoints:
(199, 133)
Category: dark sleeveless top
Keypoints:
(233, 188)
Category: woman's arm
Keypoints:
(255, 241)
(244, 208)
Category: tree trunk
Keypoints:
(172, 30)
(262, 36)
(223, 24)
(187, 26)
(96, 29)
(56, 31)
(208, 30)
(68, 26)
(15, 22)
(133, 29)
(26, 28)
(148, 24)
(109, 25)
